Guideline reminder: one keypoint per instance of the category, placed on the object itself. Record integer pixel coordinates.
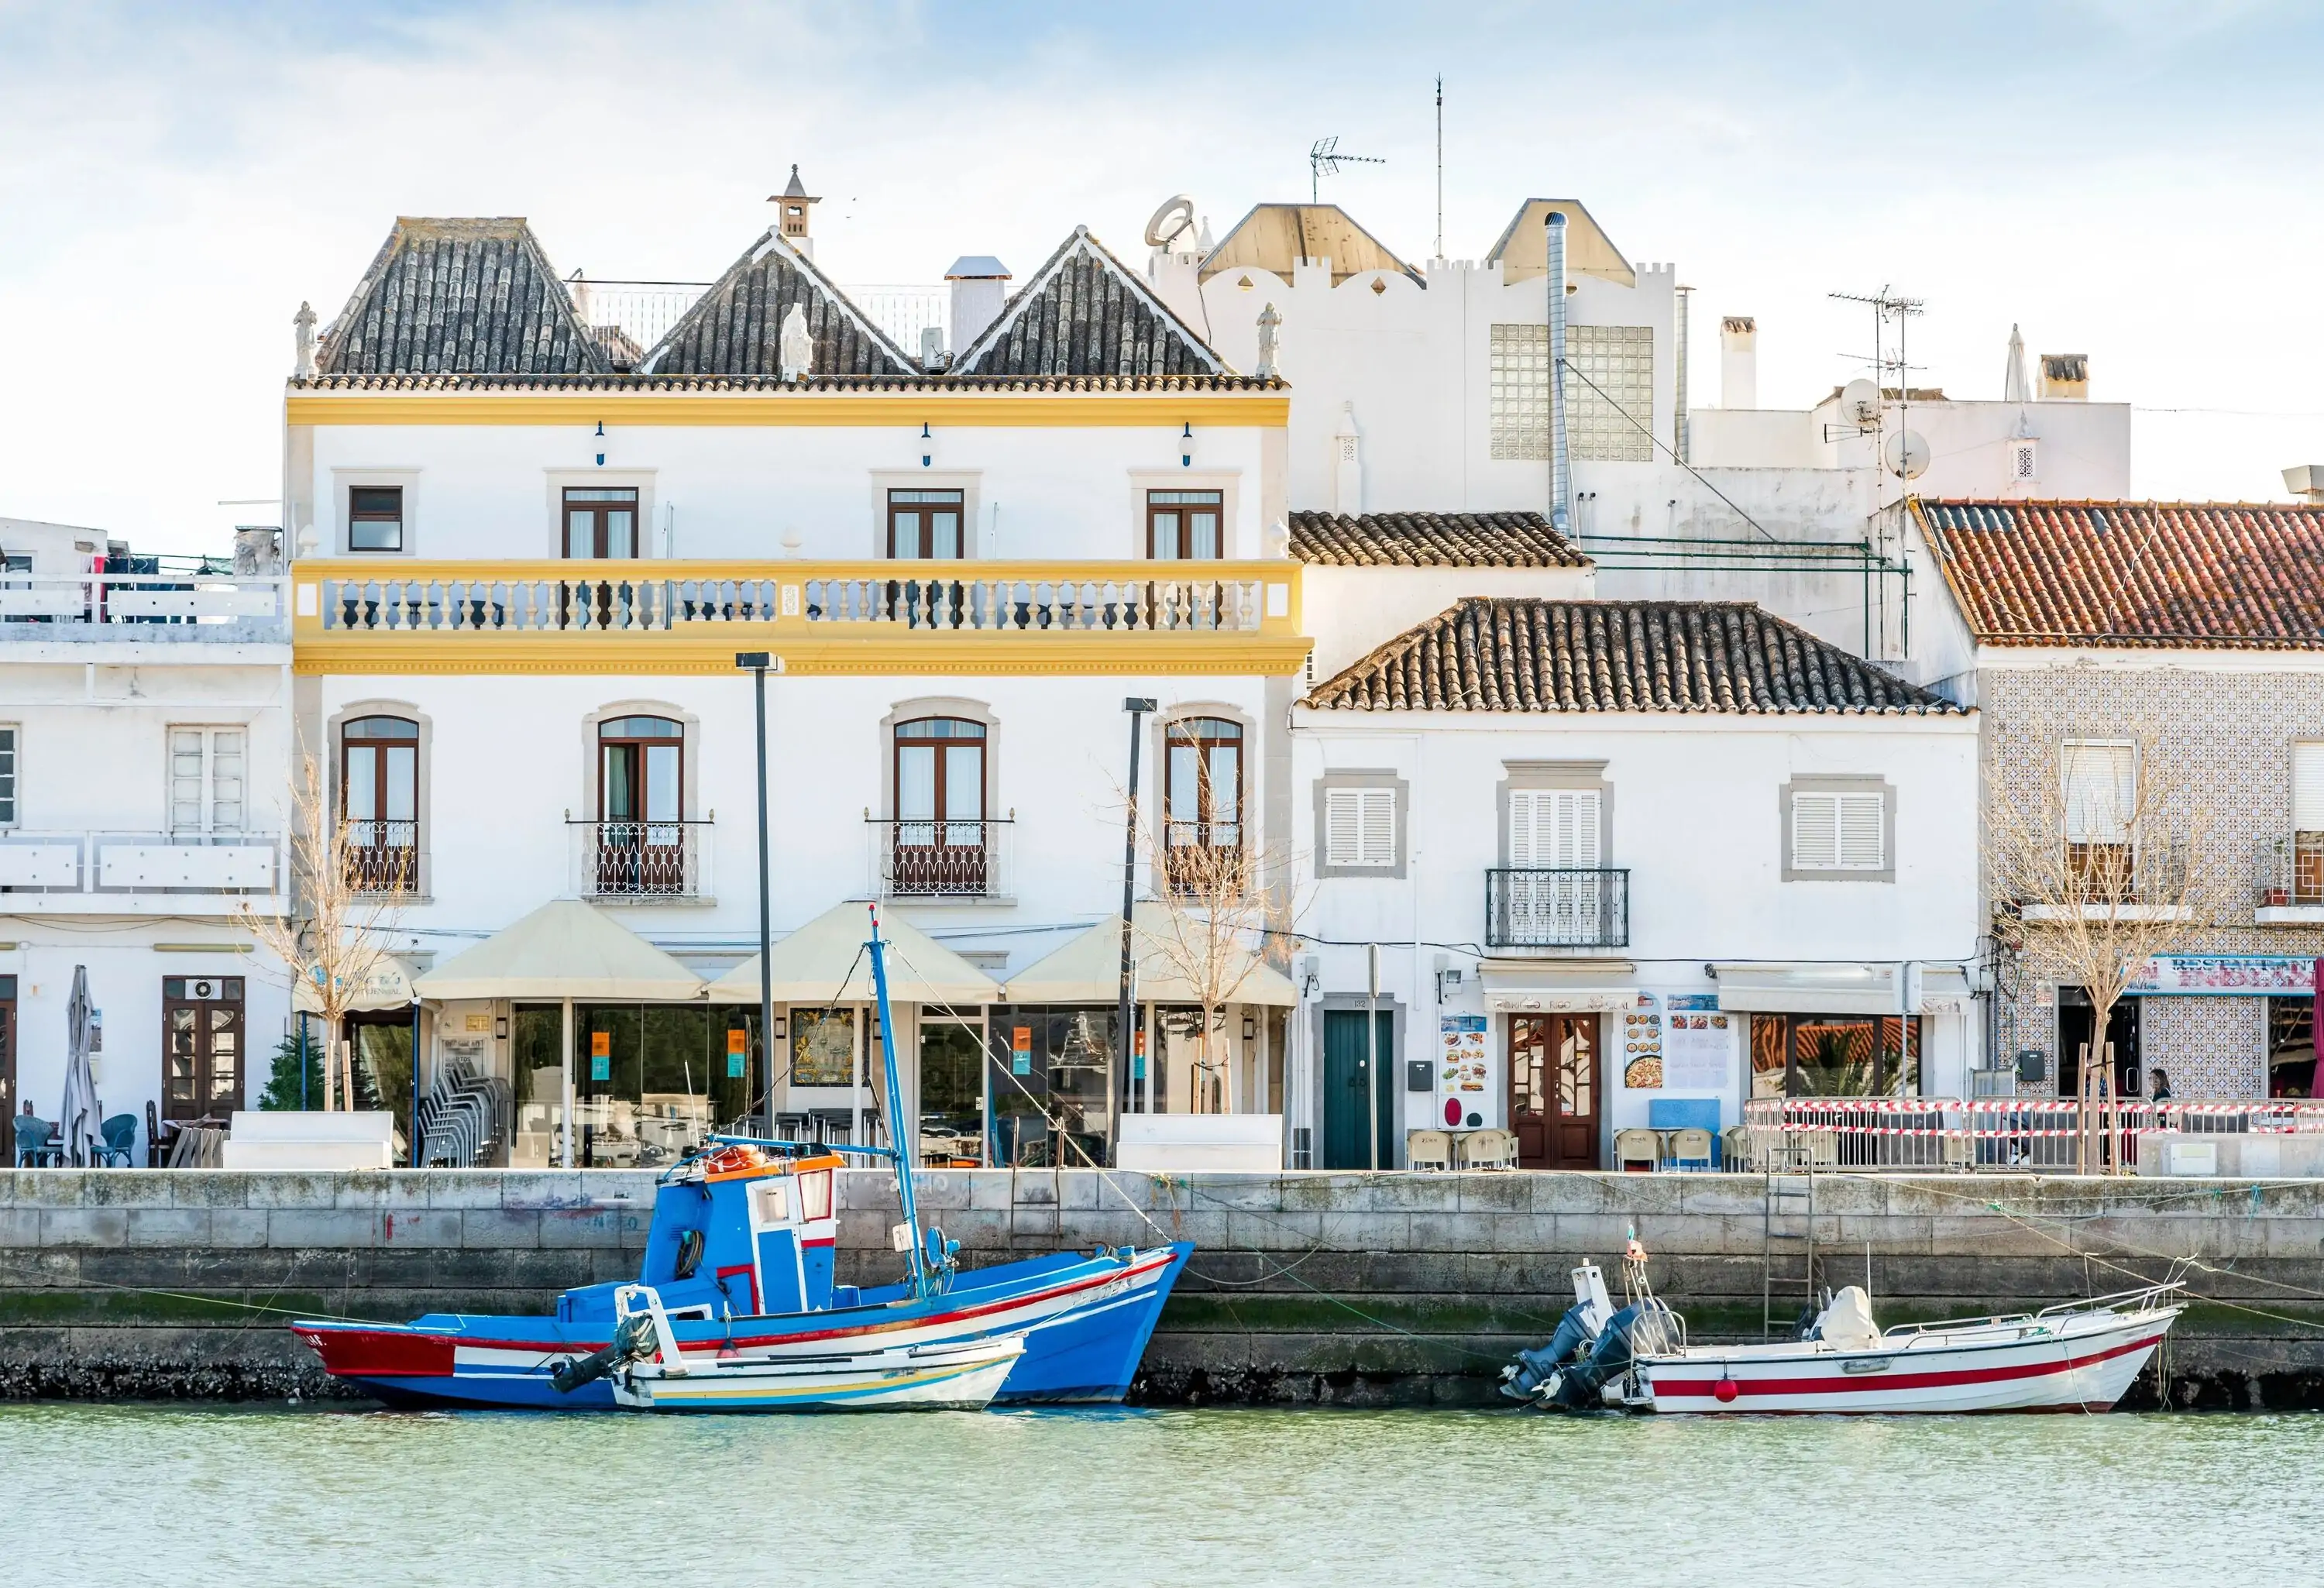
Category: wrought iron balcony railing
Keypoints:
(1557, 907)
(381, 856)
(939, 859)
(640, 860)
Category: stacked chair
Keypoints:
(465, 1119)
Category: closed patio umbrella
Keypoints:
(77, 1121)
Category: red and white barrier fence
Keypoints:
(1992, 1132)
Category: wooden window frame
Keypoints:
(12, 764)
(374, 864)
(599, 502)
(638, 744)
(1203, 739)
(1180, 505)
(940, 865)
(208, 1102)
(920, 503)
(373, 514)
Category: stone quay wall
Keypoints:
(1304, 1288)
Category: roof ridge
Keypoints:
(1082, 238)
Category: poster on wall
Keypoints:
(1461, 1081)
(1642, 1045)
(1698, 1042)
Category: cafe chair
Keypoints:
(1489, 1149)
(1735, 1149)
(1638, 1146)
(36, 1143)
(1689, 1149)
(120, 1134)
(1428, 1149)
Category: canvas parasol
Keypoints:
(77, 1120)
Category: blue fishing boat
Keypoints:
(739, 1259)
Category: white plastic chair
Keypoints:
(1427, 1149)
(1638, 1146)
(1489, 1149)
(1689, 1149)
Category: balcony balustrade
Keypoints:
(142, 607)
(1557, 907)
(381, 856)
(1230, 614)
(62, 867)
(931, 859)
(640, 860)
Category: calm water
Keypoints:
(1164, 1497)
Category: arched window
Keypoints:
(379, 797)
(941, 831)
(640, 806)
(1202, 786)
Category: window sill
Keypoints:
(633, 901)
(952, 901)
(2100, 913)
(2288, 915)
(1836, 876)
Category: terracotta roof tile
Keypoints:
(1520, 654)
(1430, 540)
(2227, 575)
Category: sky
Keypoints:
(2137, 180)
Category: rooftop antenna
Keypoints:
(1325, 160)
(1440, 165)
(1905, 453)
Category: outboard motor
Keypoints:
(633, 1337)
(1522, 1379)
(1643, 1329)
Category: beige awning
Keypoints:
(1274, 238)
(1088, 969)
(1523, 253)
(1557, 986)
(387, 985)
(1810, 988)
(824, 962)
(564, 949)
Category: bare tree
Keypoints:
(1223, 905)
(2101, 855)
(332, 940)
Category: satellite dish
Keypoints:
(1906, 455)
(1859, 403)
(1174, 220)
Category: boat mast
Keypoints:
(898, 1141)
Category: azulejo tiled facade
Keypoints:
(2235, 729)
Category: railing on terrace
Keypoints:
(1557, 907)
(139, 863)
(640, 860)
(932, 858)
(968, 597)
(382, 856)
(2005, 1133)
(48, 606)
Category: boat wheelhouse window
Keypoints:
(771, 1203)
(815, 1194)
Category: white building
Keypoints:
(144, 773)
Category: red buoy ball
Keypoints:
(1725, 1391)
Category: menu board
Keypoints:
(1642, 1045)
(1461, 1078)
(823, 1048)
(1698, 1042)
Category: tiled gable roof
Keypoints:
(459, 296)
(1516, 654)
(1085, 313)
(735, 328)
(1430, 540)
(2224, 575)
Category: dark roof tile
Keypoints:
(457, 297)
(735, 328)
(1519, 654)
(1085, 313)
(1430, 540)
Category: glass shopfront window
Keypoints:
(1048, 1077)
(650, 1081)
(2292, 1048)
(1835, 1056)
(952, 1094)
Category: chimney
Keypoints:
(980, 286)
(2306, 482)
(2065, 377)
(1739, 362)
(792, 205)
(1561, 473)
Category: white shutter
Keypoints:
(188, 758)
(1551, 828)
(1815, 832)
(1861, 835)
(207, 772)
(1360, 827)
(2308, 787)
(226, 790)
(2100, 790)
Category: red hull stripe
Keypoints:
(1888, 1382)
(386, 1353)
(558, 1347)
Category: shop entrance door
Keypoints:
(1348, 1090)
(2075, 1018)
(1554, 1090)
(8, 1104)
(201, 1047)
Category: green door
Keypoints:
(1347, 1090)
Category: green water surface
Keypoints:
(283, 1498)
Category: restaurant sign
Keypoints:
(2238, 975)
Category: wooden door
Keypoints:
(1348, 1094)
(201, 1047)
(1554, 1090)
(8, 1104)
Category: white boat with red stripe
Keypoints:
(2080, 1356)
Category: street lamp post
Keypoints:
(1136, 706)
(760, 663)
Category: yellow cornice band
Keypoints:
(1061, 409)
(1056, 655)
